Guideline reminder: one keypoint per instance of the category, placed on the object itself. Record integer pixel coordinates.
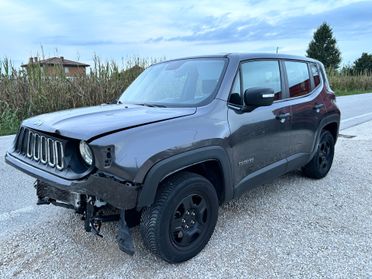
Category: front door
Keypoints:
(259, 139)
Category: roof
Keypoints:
(246, 56)
(55, 61)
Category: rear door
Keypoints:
(304, 95)
(259, 139)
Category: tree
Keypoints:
(363, 64)
(323, 47)
(347, 70)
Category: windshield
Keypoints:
(185, 82)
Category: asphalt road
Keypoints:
(355, 109)
(293, 227)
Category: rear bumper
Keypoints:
(119, 194)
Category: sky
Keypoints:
(119, 30)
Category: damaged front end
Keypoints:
(65, 179)
(94, 212)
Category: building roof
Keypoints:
(53, 61)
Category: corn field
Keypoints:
(347, 83)
(25, 93)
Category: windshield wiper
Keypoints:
(152, 105)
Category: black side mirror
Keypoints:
(258, 97)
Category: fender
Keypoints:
(181, 161)
(333, 118)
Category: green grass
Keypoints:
(5, 132)
(8, 127)
(351, 92)
(9, 121)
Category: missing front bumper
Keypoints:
(119, 193)
(95, 212)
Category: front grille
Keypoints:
(40, 148)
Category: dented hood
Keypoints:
(86, 123)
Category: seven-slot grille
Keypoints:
(40, 148)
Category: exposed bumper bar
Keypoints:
(119, 194)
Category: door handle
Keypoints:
(282, 117)
(317, 107)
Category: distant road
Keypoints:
(355, 109)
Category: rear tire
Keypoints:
(181, 221)
(321, 163)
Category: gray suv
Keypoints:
(186, 136)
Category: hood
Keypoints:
(86, 123)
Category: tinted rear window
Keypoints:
(298, 78)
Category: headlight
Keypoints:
(86, 153)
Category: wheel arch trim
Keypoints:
(330, 119)
(176, 163)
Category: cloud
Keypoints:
(115, 29)
(73, 41)
(352, 20)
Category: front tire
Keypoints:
(321, 163)
(181, 221)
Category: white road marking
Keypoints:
(356, 117)
(15, 213)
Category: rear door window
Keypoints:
(298, 78)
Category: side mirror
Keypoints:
(258, 97)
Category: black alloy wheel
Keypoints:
(325, 155)
(189, 220)
(321, 163)
(181, 221)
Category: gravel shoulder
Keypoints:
(293, 227)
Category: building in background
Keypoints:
(54, 66)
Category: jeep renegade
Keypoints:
(184, 137)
